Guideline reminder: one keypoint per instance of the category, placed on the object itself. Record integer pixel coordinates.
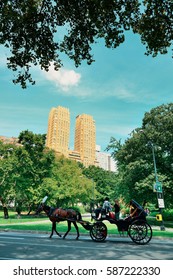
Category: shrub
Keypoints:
(168, 215)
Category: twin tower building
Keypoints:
(58, 136)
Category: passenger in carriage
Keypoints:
(117, 209)
(106, 208)
(133, 210)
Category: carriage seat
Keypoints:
(112, 215)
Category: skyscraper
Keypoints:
(85, 139)
(59, 130)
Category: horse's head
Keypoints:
(40, 208)
(42, 205)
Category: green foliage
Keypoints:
(7, 163)
(103, 181)
(168, 215)
(135, 157)
(71, 187)
(22, 170)
(30, 171)
(29, 30)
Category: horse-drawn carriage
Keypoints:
(135, 225)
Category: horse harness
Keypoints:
(60, 213)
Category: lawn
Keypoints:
(42, 224)
(14, 218)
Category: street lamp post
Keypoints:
(159, 193)
(154, 159)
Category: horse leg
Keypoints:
(69, 228)
(53, 227)
(56, 231)
(77, 229)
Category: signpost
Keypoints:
(160, 198)
(158, 189)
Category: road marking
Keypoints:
(8, 237)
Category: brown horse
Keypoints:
(57, 215)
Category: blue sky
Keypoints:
(117, 89)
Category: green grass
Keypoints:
(159, 233)
(46, 227)
(152, 220)
(62, 227)
(13, 223)
(13, 218)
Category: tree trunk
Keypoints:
(30, 209)
(6, 216)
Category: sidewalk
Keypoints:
(166, 228)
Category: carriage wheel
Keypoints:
(140, 232)
(98, 231)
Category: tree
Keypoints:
(66, 186)
(33, 143)
(23, 169)
(105, 182)
(30, 171)
(7, 163)
(135, 158)
(34, 164)
(29, 29)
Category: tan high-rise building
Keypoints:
(85, 139)
(59, 130)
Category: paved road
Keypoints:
(29, 246)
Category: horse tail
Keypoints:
(78, 216)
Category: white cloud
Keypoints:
(123, 93)
(127, 92)
(121, 89)
(63, 78)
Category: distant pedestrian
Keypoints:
(147, 211)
